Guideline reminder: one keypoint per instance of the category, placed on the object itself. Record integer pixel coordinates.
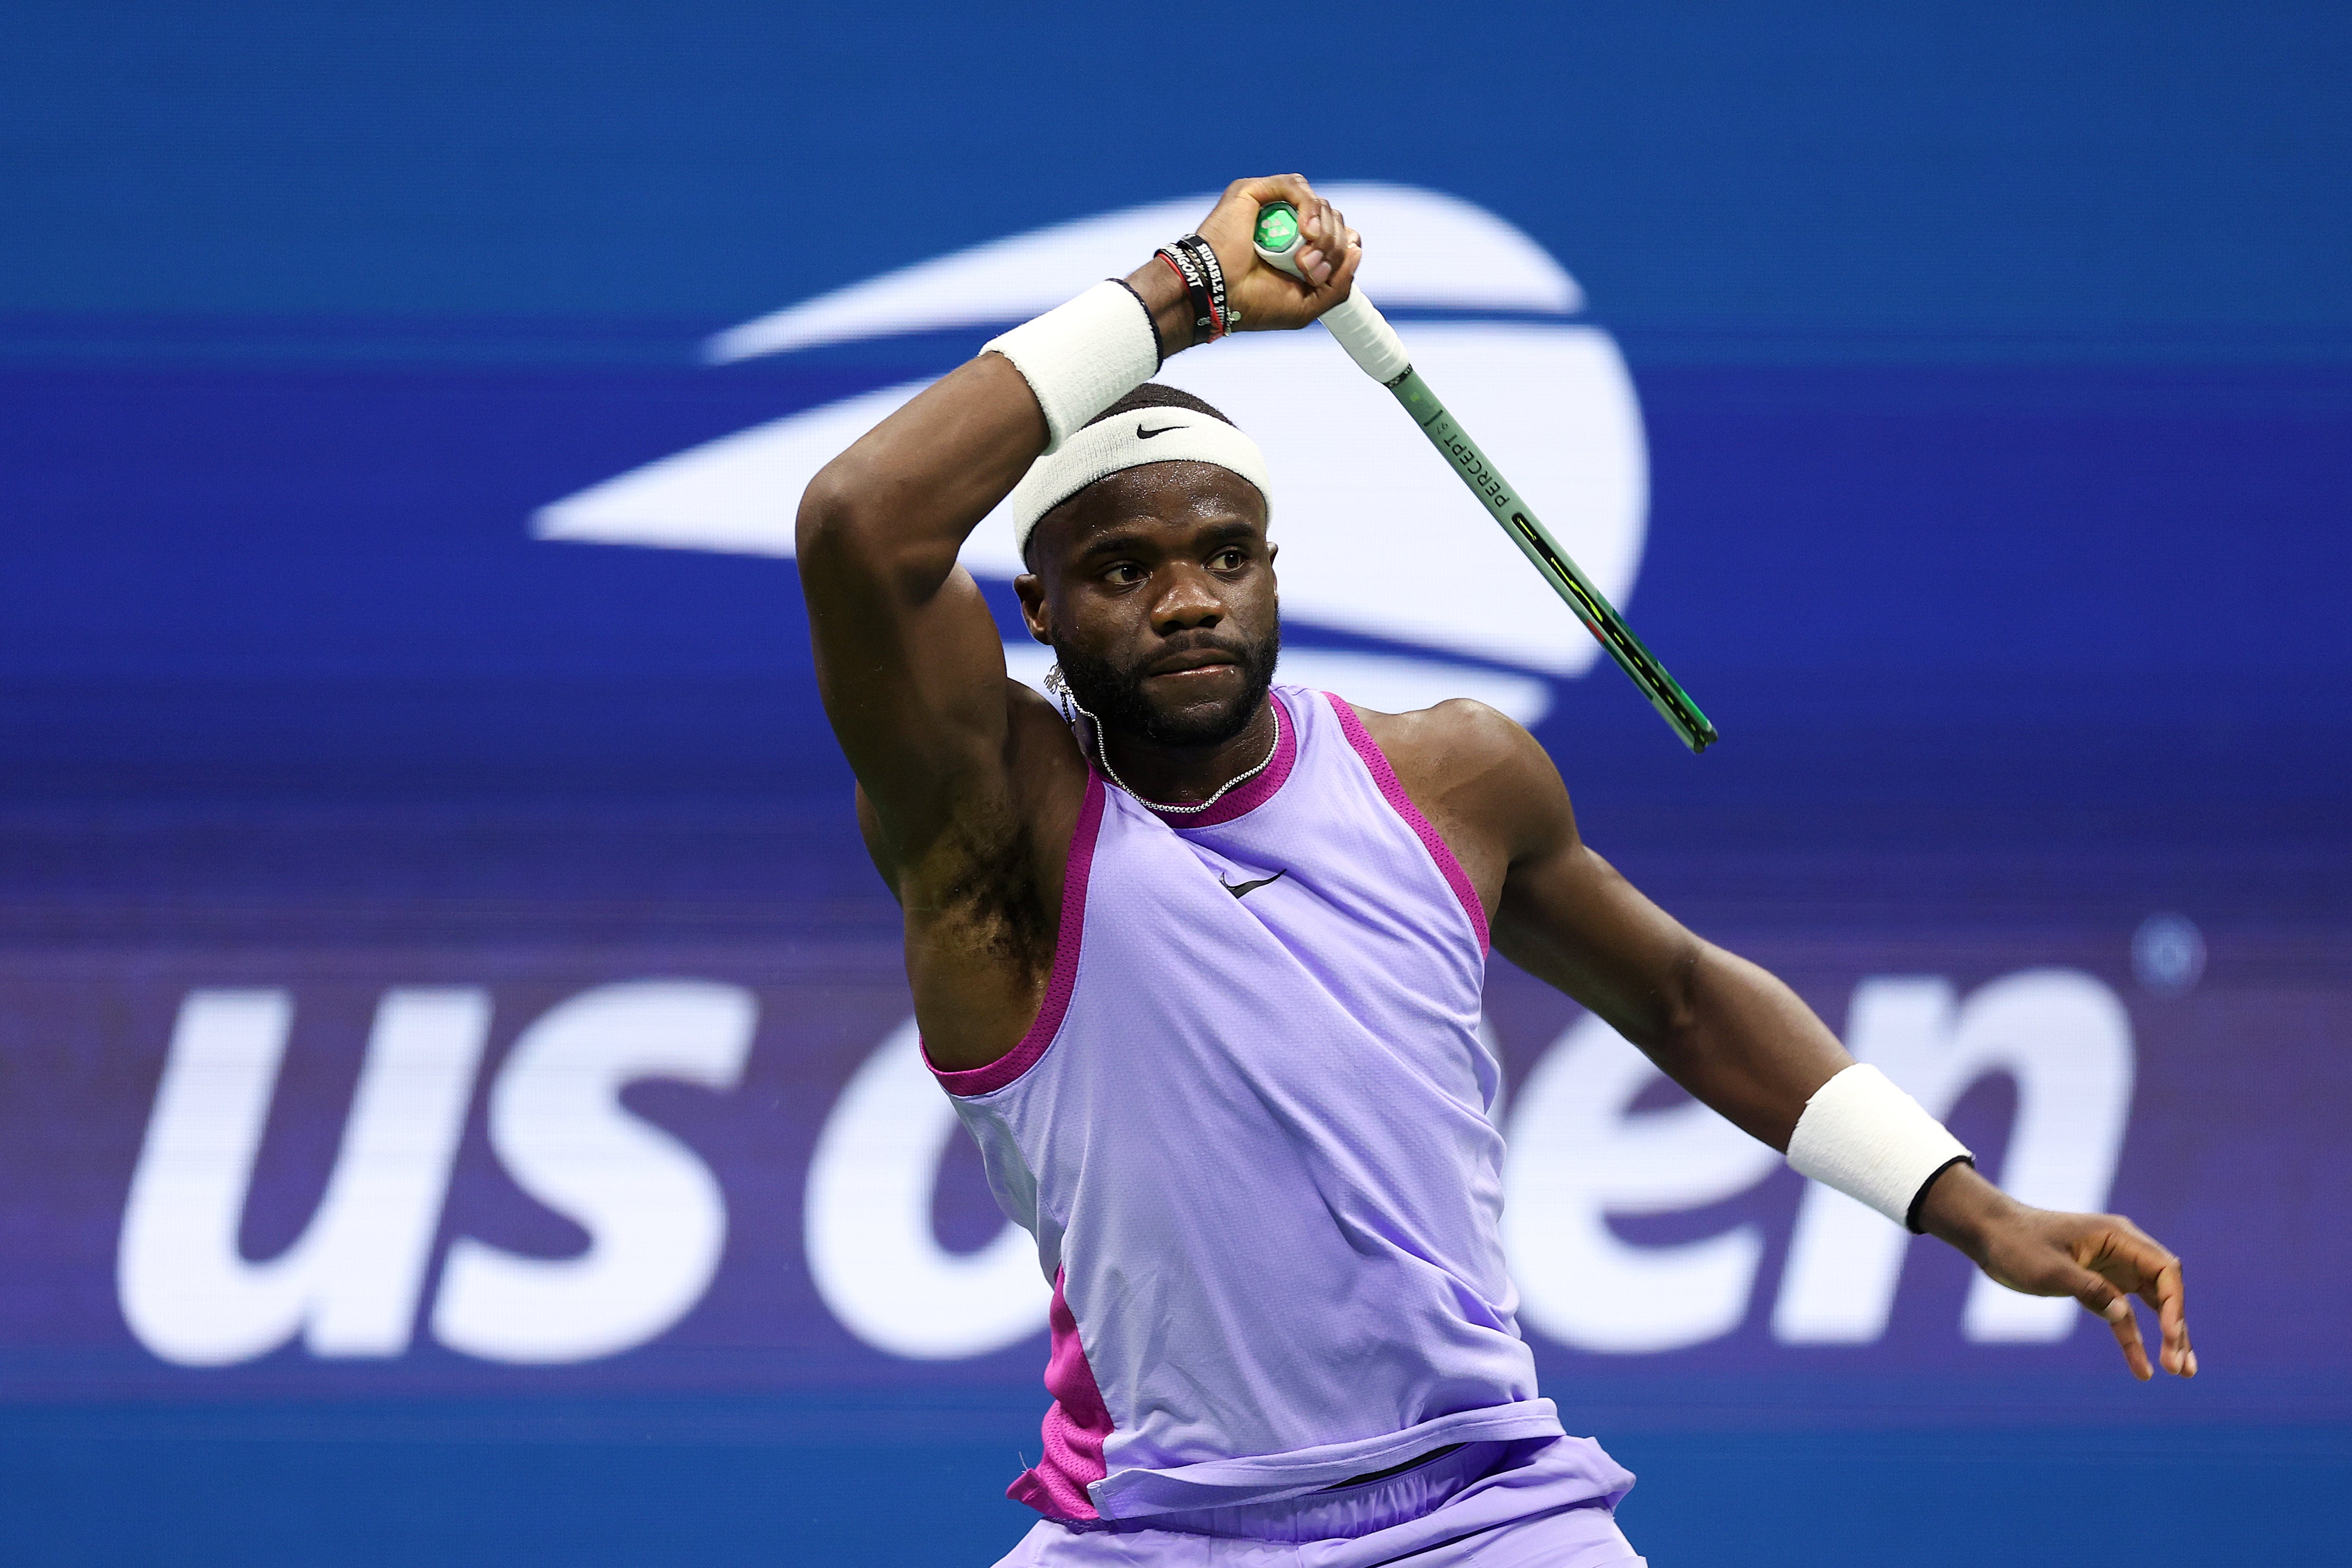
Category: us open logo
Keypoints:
(1397, 592)
(1394, 591)
(1404, 596)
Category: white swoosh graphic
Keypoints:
(1376, 535)
(1424, 250)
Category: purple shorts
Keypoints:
(1487, 1505)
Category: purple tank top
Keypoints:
(1250, 1132)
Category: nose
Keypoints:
(1188, 603)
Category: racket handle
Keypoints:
(1369, 338)
(1361, 329)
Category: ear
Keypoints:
(1032, 590)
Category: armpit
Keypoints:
(985, 897)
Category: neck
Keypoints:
(1184, 775)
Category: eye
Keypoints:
(1230, 559)
(1123, 574)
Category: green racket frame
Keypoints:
(1377, 350)
(1544, 553)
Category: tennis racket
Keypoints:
(1379, 354)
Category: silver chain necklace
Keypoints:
(1060, 686)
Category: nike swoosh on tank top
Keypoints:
(1251, 1139)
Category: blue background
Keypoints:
(1996, 372)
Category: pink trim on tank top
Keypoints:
(1074, 1429)
(969, 1082)
(1385, 777)
(1259, 790)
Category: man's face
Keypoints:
(1155, 588)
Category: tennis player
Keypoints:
(1199, 958)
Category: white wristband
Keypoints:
(1082, 357)
(1872, 1141)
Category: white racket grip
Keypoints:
(1369, 338)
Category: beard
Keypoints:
(1114, 695)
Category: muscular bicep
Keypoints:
(908, 657)
(914, 688)
(1726, 1030)
(1569, 918)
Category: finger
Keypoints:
(2096, 1293)
(1328, 251)
(2167, 1296)
(2126, 1327)
(1343, 277)
(2164, 1292)
(2133, 1259)
(1337, 236)
(1259, 189)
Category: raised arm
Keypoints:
(908, 657)
(970, 785)
(1737, 1037)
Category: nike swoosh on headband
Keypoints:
(1143, 434)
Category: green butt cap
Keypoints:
(1277, 226)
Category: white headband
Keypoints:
(1129, 441)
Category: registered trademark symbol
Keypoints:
(2168, 954)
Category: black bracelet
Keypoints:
(1150, 321)
(1204, 318)
(1196, 284)
(1204, 256)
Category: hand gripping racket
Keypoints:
(1373, 344)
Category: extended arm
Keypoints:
(1741, 1041)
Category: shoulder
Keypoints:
(1475, 772)
(1456, 743)
(1041, 748)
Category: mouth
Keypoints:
(1184, 685)
(1187, 667)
